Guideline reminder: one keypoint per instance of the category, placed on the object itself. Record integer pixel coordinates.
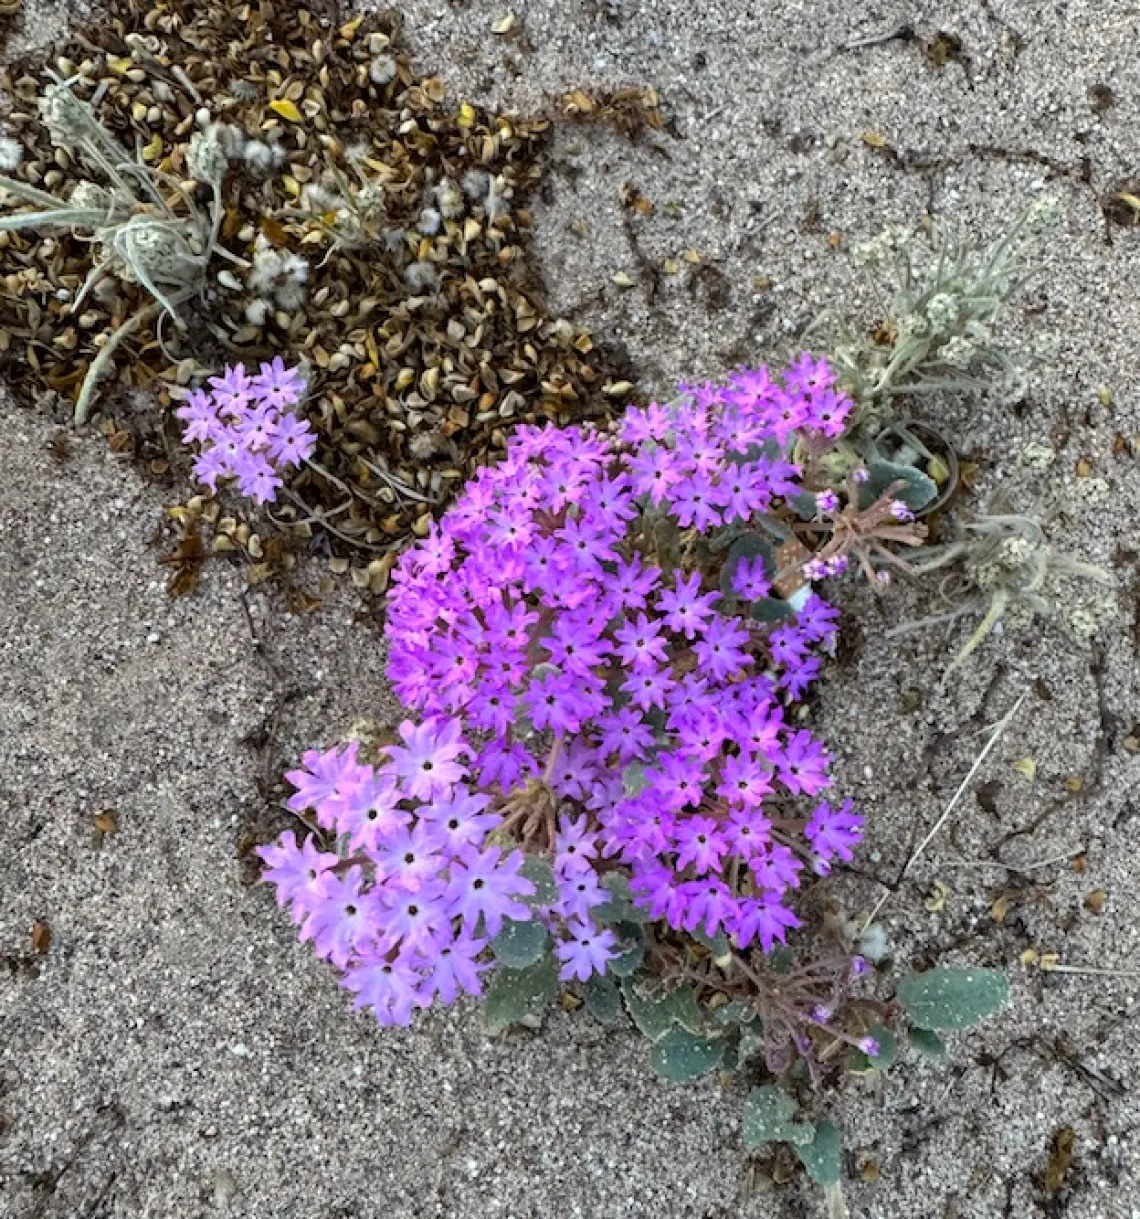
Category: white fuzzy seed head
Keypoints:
(476, 184)
(449, 200)
(11, 153)
(207, 159)
(421, 277)
(289, 296)
(429, 222)
(382, 70)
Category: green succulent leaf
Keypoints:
(781, 959)
(655, 1016)
(603, 999)
(888, 1048)
(805, 505)
(772, 609)
(620, 907)
(751, 1040)
(633, 778)
(628, 961)
(928, 1044)
(541, 875)
(717, 944)
(736, 1012)
(919, 489)
(823, 1156)
(516, 994)
(679, 1056)
(520, 944)
(768, 1116)
(953, 998)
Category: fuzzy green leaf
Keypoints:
(823, 1156)
(888, 1047)
(751, 1040)
(772, 609)
(805, 505)
(620, 908)
(679, 1056)
(768, 1117)
(603, 999)
(520, 944)
(919, 489)
(735, 1012)
(541, 875)
(717, 944)
(953, 998)
(633, 779)
(515, 994)
(627, 962)
(928, 1044)
(655, 1016)
(781, 959)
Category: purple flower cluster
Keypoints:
(245, 430)
(535, 612)
(409, 907)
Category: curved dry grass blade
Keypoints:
(99, 364)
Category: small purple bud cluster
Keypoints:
(245, 430)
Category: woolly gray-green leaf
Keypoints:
(655, 1016)
(620, 906)
(919, 489)
(768, 1115)
(926, 1043)
(679, 1056)
(735, 1012)
(953, 998)
(823, 1156)
(603, 999)
(520, 944)
(888, 1047)
(516, 994)
(751, 1040)
(632, 953)
(772, 609)
(541, 875)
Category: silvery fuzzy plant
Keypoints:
(939, 319)
(938, 327)
(938, 331)
(140, 235)
(1007, 568)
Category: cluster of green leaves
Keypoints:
(939, 1000)
(689, 1038)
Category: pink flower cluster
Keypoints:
(534, 613)
(245, 430)
(586, 686)
(410, 906)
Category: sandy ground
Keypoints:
(176, 1054)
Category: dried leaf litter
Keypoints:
(372, 228)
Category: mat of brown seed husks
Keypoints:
(372, 227)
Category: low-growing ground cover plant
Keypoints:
(609, 639)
